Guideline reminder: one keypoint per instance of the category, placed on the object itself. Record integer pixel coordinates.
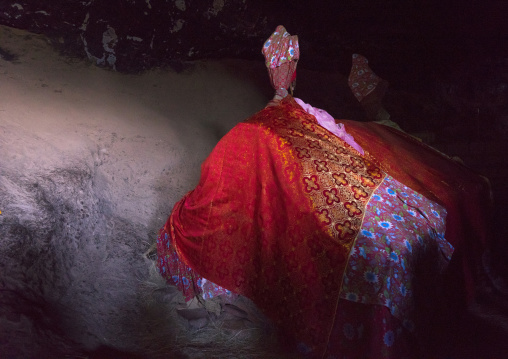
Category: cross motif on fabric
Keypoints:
(352, 209)
(331, 196)
(340, 179)
(359, 192)
(324, 217)
(302, 152)
(367, 182)
(321, 166)
(344, 229)
(310, 183)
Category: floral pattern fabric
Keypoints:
(281, 53)
(374, 315)
(185, 278)
(368, 331)
(280, 48)
(399, 226)
(362, 80)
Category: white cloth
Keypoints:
(327, 121)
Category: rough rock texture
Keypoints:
(91, 164)
(138, 34)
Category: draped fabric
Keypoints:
(282, 76)
(274, 216)
(364, 331)
(281, 52)
(281, 201)
(327, 121)
(402, 234)
(280, 48)
(362, 80)
(466, 195)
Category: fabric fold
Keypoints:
(274, 217)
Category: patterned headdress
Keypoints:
(362, 80)
(281, 52)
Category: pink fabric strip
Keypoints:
(327, 121)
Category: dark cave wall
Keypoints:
(399, 35)
(133, 36)
(446, 60)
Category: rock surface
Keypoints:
(139, 34)
(92, 163)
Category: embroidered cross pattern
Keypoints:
(352, 209)
(340, 179)
(321, 166)
(331, 196)
(310, 183)
(344, 229)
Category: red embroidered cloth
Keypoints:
(281, 200)
(274, 217)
